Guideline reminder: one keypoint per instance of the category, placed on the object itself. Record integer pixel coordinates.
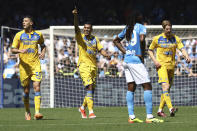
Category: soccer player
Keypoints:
(135, 70)
(25, 44)
(166, 44)
(88, 46)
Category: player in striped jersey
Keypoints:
(166, 44)
(88, 46)
(25, 44)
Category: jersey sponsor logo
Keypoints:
(91, 52)
(168, 53)
(34, 37)
(30, 50)
(130, 52)
(133, 41)
(28, 43)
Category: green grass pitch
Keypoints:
(108, 119)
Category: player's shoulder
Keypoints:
(141, 29)
(140, 25)
(94, 37)
(175, 36)
(157, 37)
(20, 33)
(38, 32)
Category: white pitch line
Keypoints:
(75, 124)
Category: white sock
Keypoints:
(132, 116)
(91, 111)
(160, 110)
(82, 107)
(170, 109)
(149, 116)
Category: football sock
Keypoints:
(37, 101)
(148, 101)
(167, 99)
(130, 102)
(89, 100)
(26, 102)
(162, 103)
(84, 103)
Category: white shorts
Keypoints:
(136, 73)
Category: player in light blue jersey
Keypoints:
(135, 70)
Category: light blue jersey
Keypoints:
(133, 46)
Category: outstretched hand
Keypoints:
(23, 51)
(157, 65)
(75, 12)
(108, 57)
(188, 60)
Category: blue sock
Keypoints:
(148, 101)
(130, 102)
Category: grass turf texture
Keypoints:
(108, 119)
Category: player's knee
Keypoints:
(90, 87)
(26, 91)
(37, 89)
(131, 86)
(165, 86)
(147, 86)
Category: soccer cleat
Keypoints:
(173, 111)
(27, 116)
(38, 116)
(83, 113)
(92, 115)
(135, 120)
(161, 114)
(154, 120)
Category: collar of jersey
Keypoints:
(164, 36)
(32, 32)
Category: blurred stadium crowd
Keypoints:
(110, 12)
(66, 57)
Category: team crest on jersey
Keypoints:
(24, 37)
(35, 37)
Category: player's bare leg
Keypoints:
(26, 89)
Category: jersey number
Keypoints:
(133, 41)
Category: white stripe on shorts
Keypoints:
(136, 73)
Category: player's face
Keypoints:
(27, 23)
(87, 29)
(167, 31)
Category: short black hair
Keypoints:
(28, 16)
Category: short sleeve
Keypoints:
(179, 43)
(153, 45)
(99, 46)
(142, 30)
(41, 40)
(121, 35)
(16, 41)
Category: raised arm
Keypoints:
(76, 23)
